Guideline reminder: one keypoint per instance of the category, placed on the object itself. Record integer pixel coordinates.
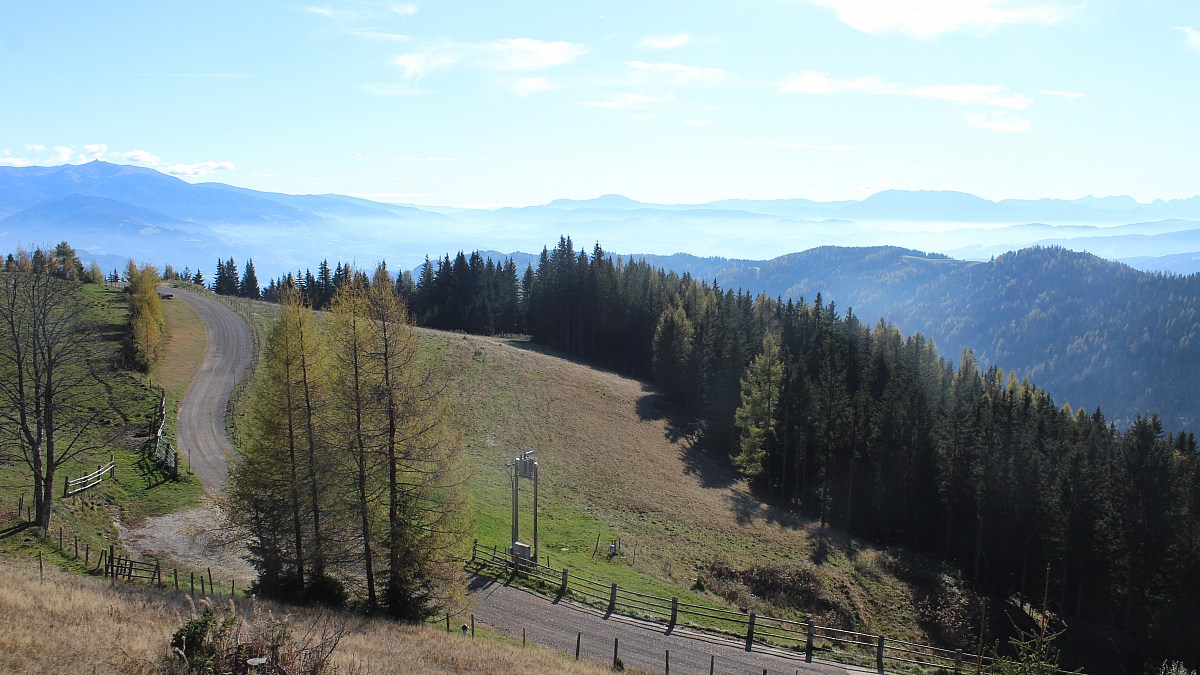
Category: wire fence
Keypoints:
(867, 650)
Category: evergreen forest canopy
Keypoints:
(867, 429)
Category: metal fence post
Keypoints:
(750, 632)
(808, 643)
(879, 656)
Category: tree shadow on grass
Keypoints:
(15, 529)
(690, 434)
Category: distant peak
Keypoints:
(613, 201)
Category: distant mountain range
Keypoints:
(108, 209)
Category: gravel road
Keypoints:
(200, 428)
(641, 645)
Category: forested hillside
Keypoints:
(1092, 332)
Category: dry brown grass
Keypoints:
(69, 623)
(182, 350)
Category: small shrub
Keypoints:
(224, 642)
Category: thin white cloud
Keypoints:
(1061, 93)
(924, 19)
(675, 74)
(199, 169)
(67, 154)
(357, 10)
(322, 10)
(998, 121)
(524, 86)
(416, 65)
(1192, 35)
(93, 151)
(966, 94)
(142, 157)
(523, 54)
(697, 123)
(629, 101)
(802, 146)
(666, 41)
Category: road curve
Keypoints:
(641, 645)
(200, 427)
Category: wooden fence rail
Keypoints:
(159, 449)
(837, 644)
(73, 486)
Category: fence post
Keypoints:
(158, 572)
(879, 656)
(111, 566)
(563, 590)
(674, 614)
(472, 626)
(612, 598)
(957, 660)
(668, 662)
(578, 638)
(474, 547)
(66, 485)
(616, 641)
(808, 643)
(112, 465)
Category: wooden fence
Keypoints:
(73, 486)
(109, 562)
(844, 646)
(159, 449)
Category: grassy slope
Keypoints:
(613, 464)
(69, 623)
(138, 490)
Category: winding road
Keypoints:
(200, 428)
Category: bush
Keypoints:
(223, 642)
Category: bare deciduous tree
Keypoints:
(47, 379)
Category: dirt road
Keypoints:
(641, 644)
(200, 428)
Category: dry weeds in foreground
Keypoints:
(69, 623)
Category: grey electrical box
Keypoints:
(522, 550)
(526, 468)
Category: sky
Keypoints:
(485, 104)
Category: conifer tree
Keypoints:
(757, 416)
(248, 287)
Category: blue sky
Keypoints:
(489, 103)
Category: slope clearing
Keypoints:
(616, 462)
